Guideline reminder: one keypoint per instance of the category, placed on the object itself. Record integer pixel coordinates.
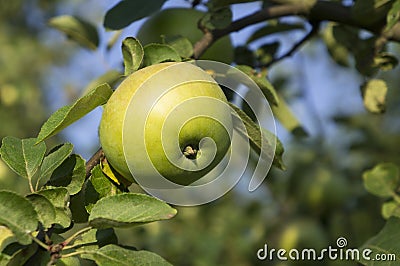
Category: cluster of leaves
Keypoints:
(62, 197)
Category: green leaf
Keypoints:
(55, 159)
(390, 208)
(22, 256)
(133, 54)
(267, 52)
(286, 117)
(59, 197)
(260, 79)
(272, 29)
(385, 61)
(338, 52)
(382, 180)
(386, 242)
(19, 215)
(217, 19)
(374, 95)
(393, 15)
(22, 155)
(128, 209)
(115, 255)
(98, 186)
(254, 135)
(180, 44)
(6, 237)
(77, 29)
(67, 115)
(44, 208)
(128, 11)
(95, 239)
(155, 53)
(111, 77)
(70, 174)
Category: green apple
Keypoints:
(183, 22)
(177, 146)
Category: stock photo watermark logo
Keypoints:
(340, 252)
(172, 123)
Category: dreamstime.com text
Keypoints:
(330, 253)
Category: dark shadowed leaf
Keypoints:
(116, 255)
(274, 28)
(19, 215)
(44, 208)
(55, 159)
(128, 209)
(70, 174)
(128, 11)
(133, 54)
(155, 53)
(386, 243)
(382, 180)
(22, 155)
(77, 29)
(95, 239)
(67, 115)
(59, 197)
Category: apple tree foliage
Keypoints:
(74, 206)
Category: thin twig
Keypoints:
(40, 243)
(296, 46)
(320, 11)
(72, 238)
(93, 161)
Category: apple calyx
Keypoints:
(190, 152)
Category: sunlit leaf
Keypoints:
(180, 44)
(391, 208)
(67, 115)
(155, 53)
(59, 197)
(393, 15)
(19, 215)
(382, 180)
(128, 209)
(77, 29)
(22, 155)
(6, 237)
(253, 132)
(374, 95)
(111, 77)
(116, 255)
(44, 208)
(133, 54)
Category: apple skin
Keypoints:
(183, 22)
(189, 134)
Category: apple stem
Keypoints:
(190, 152)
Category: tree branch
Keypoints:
(321, 11)
(93, 161)
(314, 30)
